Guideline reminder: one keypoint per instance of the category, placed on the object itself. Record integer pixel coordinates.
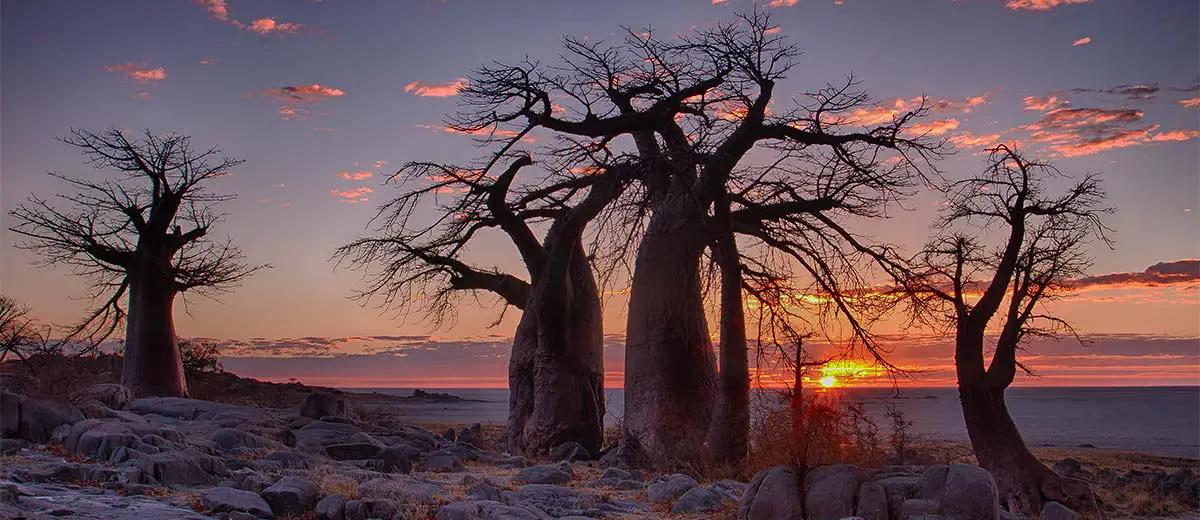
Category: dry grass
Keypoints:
(1137, 499)
(338, 484)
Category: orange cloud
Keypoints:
(938, 127)
(138, 71)
(423, 89)
(1041, 5)
(885, 113)
(1190, 103)
(1044, 104)
(267, 26)
(969, 140)
(353, 196)
(1176, 135)
(1082, 41)
(772, 30)
(782, 3)
(356, 176)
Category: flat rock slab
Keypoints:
(63, 501)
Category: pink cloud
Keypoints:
(1163, 273)
(356, 176)
(138, 71)
(267, 26)
(1082, 41)
(718, 2)
(782, 3)
(303, 93)
(208, 61)
(216, 8)
(1073, 132)
(1191, 103)
(353, 196)
(380, 163)
(773, 30)
(1041, 5)
(423, 89)
(483, 132)
(289, 112)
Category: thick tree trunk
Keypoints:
(670, 375)
(1000, 449)
(556, 373)
(727, 435)
(153, 366)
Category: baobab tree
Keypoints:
(556, 368)
(20, 333)
(126, 233)
(696, 106)
(989, 292)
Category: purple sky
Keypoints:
(325, 98)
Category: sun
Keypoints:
(828, 381)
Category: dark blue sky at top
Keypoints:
(53, 56)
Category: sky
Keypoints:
(324, 99)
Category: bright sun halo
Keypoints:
(828, 381)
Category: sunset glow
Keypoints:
(326, 100)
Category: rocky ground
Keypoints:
(109, 456)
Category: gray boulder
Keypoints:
(570, 452)
(551, 474)
(114, 396)
(773, 494)
(830, 492)
(970, 494)
(670, 488)
(325, 433)
(1068, 467)
(322, 404)
(368, 509)
(226, 500)
(183, 468)
(291, 496)
(443, 460)
(32, 419)
(487, 510)
(230, 438)
(353, 451)
(332, 507)
(698, 500)
(393, 460)
(872, 502)
(1057, 511)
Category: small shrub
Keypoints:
(813, 431)
(200, 357)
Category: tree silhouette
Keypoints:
(1043, 249)
(696, 106)
(126, 234)
(556, 372)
